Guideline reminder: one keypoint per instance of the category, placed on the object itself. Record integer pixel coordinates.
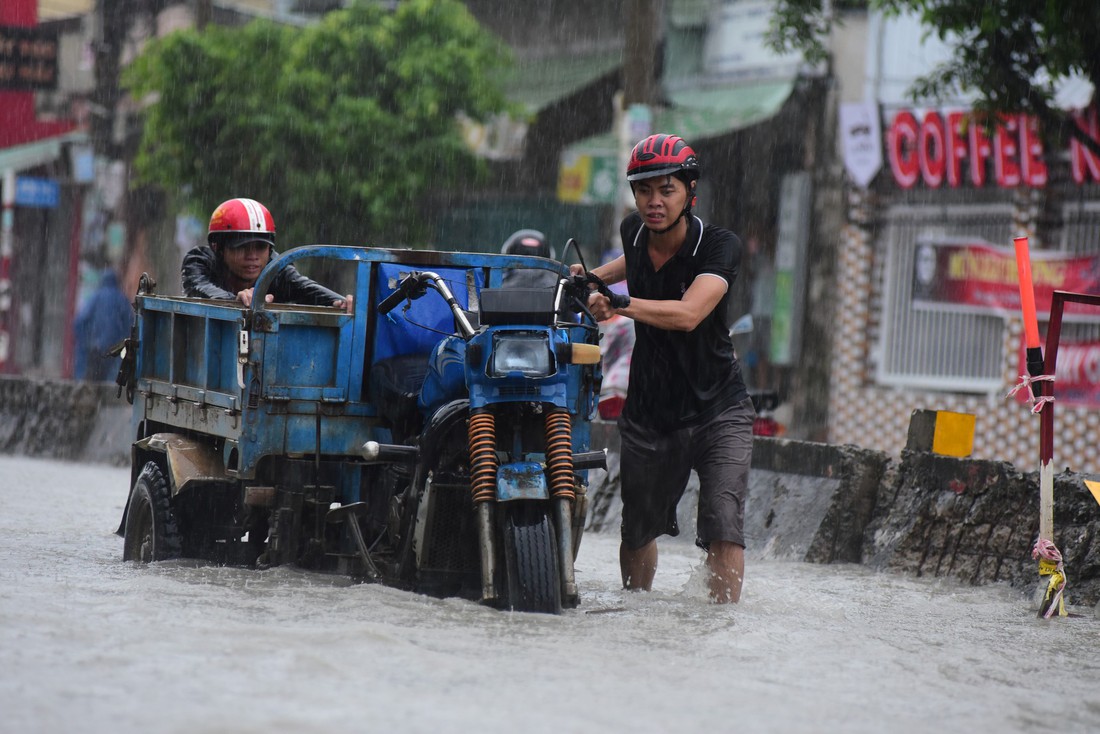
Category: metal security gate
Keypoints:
(937, 350)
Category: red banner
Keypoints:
(977, 277)
(1077, 376)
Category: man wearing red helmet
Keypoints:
(241, 242)
(687, 406)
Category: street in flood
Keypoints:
(89, 643)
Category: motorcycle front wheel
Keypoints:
(531, 569)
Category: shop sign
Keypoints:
(1077, 373)
(585, 178)
(963, 275)
(953, 148)
(28, 58)
(790, 268)
(41, 193)
(860, 133)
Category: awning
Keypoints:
(55, 9)
(589, 172)
(699, 114)
(29, 155)
(536, 83)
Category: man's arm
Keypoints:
(697, 303)
(290, 286)
(198, 274)
(613, 271)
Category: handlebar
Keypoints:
(413, 286)
(617, 300)
(415, 283)
(404, 288)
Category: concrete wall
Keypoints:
(75, 421)
(917, 513)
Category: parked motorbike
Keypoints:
(449, 461)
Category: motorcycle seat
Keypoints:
(394, 388)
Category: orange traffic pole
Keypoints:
(1050, 559)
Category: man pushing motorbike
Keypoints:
(687, 406)
(241, 241)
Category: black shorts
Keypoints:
(655, 468)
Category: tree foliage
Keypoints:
(1012, 53)
(340, 128)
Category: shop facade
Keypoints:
(928, 312)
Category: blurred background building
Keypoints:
(832, 176)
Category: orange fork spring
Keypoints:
(559, 454)
(483, 457)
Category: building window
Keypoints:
(937, 350)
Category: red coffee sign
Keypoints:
(954, 148)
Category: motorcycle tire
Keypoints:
(531, 568)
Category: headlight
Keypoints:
(528, 354)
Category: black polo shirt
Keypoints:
(680, 378)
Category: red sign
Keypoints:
(951, 148)
(28, 58)
(1077, 374)
(975, 276)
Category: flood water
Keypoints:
(91, 644)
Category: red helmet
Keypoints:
(239, 221)
(661, 155)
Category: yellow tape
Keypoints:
(1056, 584)
(1057, 581)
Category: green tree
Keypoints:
(1012, 53)
(341, 127)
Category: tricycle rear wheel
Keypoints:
(151, 532)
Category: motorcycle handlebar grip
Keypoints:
(384, 452)
(617, 300)
(391, 301)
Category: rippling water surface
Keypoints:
(91, 644)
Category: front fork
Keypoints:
(565, 547)
(488, 551)
(483, 477)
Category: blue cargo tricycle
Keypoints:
(435, 437)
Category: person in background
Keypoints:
(241, 241)
(687, 406)
(616, 346)
(528, 242)
(101, 324)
